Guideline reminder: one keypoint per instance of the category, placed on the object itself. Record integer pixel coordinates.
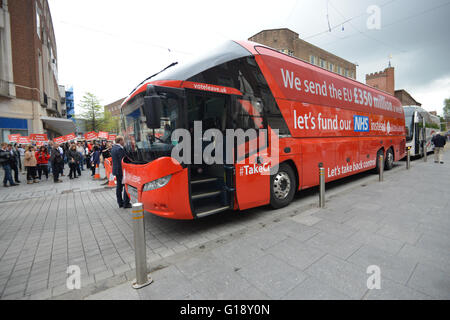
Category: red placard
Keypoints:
(59, 140)
(90, 135)
(112, 137)
(70, 136)
(23, 140)
(38, 137)
(13, 137)
(103, 135)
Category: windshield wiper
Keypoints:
(169, 66)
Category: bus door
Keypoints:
(252, 166)
(419, 133)
(210, 188)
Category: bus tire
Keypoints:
(282, 186)
(389, 163)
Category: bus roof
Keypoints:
(231, 50)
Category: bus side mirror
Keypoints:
(152, 111)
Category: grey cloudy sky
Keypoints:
(108, 46)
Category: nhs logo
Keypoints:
(361, 123)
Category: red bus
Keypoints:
(320, 118)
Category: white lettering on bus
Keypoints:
(358, 95)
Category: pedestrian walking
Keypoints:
(439, 143)
(118, 153)
(42, 157)
(55, 160)
(73, 160)
(30, 164)
(5, 156)
(14, 161)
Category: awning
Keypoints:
(60, 125)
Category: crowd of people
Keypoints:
(51, 158)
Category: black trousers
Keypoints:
(120, 189)
(42, 168)
(73, 169)
(77, 166)
(31, 173)
(93, 168)
(55, 170)
(16, 172)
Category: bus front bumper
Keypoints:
(169, 201)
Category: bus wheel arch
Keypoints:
(282, 185)
(294, 168)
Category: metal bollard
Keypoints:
(381, 166)
(140, 251)
(425, 155)
(321, 186)
(408, 159)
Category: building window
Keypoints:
(338, 70)
(323, 63)
(330, 66)
(346, 72)
(312, 59)
(288, 52)
(38, 21)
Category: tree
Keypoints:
(92, 112)
(110, 123)
(446, 109)
(443, 124)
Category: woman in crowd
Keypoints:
(42, 157)
(95, 158)
(106, 152)
(73, 158)
(30, 163)
(55, 160)
(82, 151)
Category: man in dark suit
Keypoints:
(14, 160)
(117, 154)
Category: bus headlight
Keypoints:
(156, 184)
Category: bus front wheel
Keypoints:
(282, 186)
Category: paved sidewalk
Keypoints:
(299, 252)
(401, 225)
(46, 187)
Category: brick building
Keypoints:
(385, 81)
(30, 98)
(405, 98)
(114, 108)
(288, 42)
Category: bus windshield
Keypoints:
(143, 144)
